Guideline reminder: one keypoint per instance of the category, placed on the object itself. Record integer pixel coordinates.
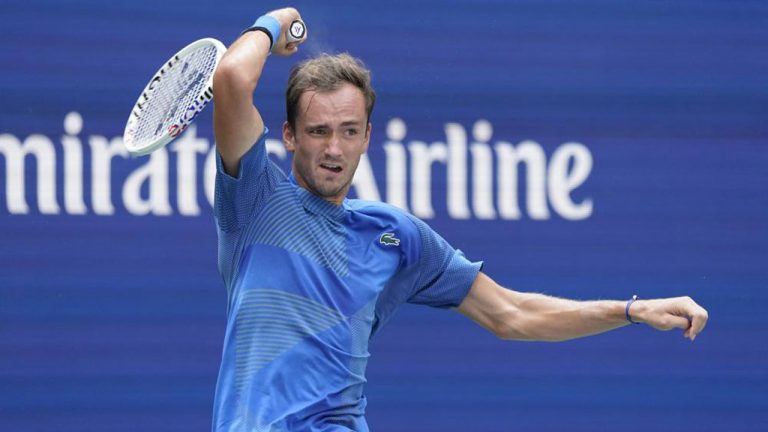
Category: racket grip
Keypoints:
(296, 31)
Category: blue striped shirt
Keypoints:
(308, 284)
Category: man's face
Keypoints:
(332, 132)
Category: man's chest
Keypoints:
(340, 263)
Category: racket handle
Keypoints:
(296, 31)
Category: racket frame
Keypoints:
(187, 115)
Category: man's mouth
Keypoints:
(331, 167)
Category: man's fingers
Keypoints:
(674, 321)
(699, 319)
(696, 315)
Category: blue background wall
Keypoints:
(115, 322)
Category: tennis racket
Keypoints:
(178, 92)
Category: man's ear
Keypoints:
(367, 137)
(289, 137)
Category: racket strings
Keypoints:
(175, 92)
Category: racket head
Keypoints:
(176, 94)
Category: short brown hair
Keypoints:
(327, 73)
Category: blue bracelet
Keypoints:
(270, 26)
(626, 309)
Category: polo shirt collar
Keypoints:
(316, 204)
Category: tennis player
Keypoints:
(311, 276)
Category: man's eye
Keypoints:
(351, 132)
(317, 131)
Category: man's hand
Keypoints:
(670, 313)
(285, 17)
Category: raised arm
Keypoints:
(527, 316)
(237, 122)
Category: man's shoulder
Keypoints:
(384, 212)
(376, 208)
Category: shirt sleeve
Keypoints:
(443, 275)
(237, 198)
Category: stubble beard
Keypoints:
(325, 189)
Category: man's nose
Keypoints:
(333, 147)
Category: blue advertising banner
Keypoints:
(587, 150)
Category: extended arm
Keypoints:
(527, 316)
(237, 122)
